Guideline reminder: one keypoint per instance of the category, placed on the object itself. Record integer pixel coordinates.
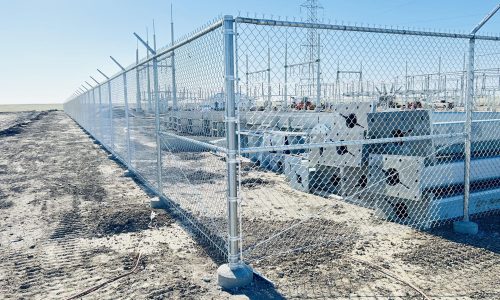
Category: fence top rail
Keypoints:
(270, 22)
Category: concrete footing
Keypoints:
(111, 156)
(127, 173)
(234, 278)
(465, 227)
(157, 203)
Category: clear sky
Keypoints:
(49, 47)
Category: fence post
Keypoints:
(235, 273)
(157, 126)
(137, 80)
(174, 84)
(99, 110)
(125, 99)
(172, 63)
(465, 226)
(156, 91)
(127, 123)
(111, 125)
(110, 102)
(318, 77)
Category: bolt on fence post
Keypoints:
(235, 273)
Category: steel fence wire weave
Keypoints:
(346, 145)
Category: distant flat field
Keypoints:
(29, 107)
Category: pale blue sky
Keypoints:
(49, 47)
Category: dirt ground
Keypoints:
(316, 247)
(69, 220)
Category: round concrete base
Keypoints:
(156, 203)
(465, 227)
(231, 279)
(127, 173)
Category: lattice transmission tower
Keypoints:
(310, 8)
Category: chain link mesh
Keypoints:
(350, 140)
(351, 158)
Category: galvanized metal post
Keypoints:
(157, 127)
(138, 83)
(468, 123)
(156, 90)
(465, 226)
(99, 107)
(318, 78)
(99, 111)
(92, 123)
(285, 86)
(269, 101)
(86, 109)
(127, 124)
(172, 64)
(235, 273)
(110, 112)
(231, 138)
(111, 125)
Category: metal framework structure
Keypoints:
(377, 140)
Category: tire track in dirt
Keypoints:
(80, 222)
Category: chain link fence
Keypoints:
(315, 152)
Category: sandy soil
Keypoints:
(324, 247)
(316, 247)
(69, 220)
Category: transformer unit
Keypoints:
(274, 160)
(378, 125)
(393, 124)
(351, 117)
(485, 138)
(414, 189)
(303, 176)
(195, 123)
(258, 120)
(409, 177)
(213, 123)
(182, 121)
